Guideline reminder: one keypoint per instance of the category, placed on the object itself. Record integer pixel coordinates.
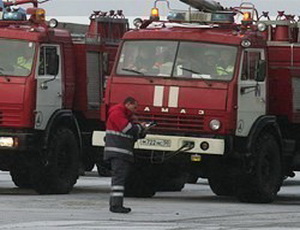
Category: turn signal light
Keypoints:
(247, 16)
(38, 15)
(247, 19)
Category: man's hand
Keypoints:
(144, 124)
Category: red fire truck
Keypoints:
(223, 86)
(52, 82)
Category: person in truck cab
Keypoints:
(209, 64)
(225, 64)
(24, 62)
(144, 61)
(121, 134)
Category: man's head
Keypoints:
(226, 56)
(131, 104)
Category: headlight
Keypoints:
(215, 125)
(262, 27)
(6, 142)
(53, 23)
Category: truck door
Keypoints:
(49, 84)
(251, 93)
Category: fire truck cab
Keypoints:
(52, 81)
(223, 87)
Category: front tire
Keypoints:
(61, 170)
(222, 178)
(21, 177)
(262, 184)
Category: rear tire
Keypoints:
(61, 171)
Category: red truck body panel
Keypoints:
(284, 63)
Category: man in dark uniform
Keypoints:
(121, 134)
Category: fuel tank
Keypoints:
(204, 5)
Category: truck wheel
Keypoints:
(222, 175)
(21, 177)
(192, 179)
(60, 173)
(265, 179)
(103, 170)
(173, 184)
(222, 185)
(88, 166)
(140, 182)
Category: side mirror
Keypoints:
(261, 71)
(53, 67)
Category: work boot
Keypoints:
(119, 209)
(116, 205)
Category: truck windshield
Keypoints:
(16, 57)
(177, 59)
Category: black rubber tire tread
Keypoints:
(192, 179)
(62, 170)
(172, 184)
(21, 178)
(265, 180)
(223, 178)
(88, 166)
(141, 182)
(103, 170)
(222, 185)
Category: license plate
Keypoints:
(155, 142)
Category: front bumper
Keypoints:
(209, 146)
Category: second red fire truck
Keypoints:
(52, 82)
(225, 97)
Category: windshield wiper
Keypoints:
(189, 70)
(195, 72)
(133, 71)
(3, 75)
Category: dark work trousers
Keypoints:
(120, 169)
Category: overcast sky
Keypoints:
(142, 7)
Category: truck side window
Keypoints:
(250, 63)
(48, 59)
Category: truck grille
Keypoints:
(10, 115)
(174, 123)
